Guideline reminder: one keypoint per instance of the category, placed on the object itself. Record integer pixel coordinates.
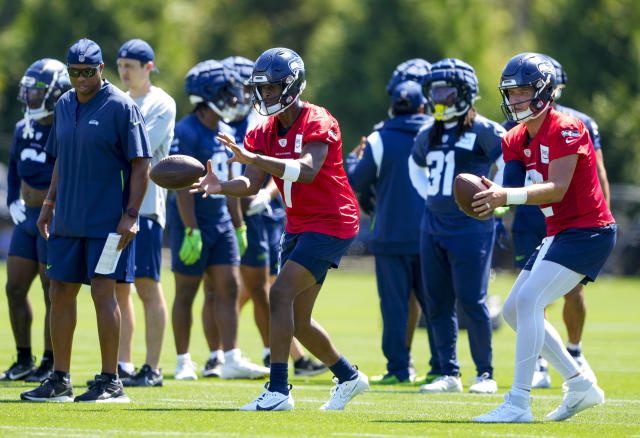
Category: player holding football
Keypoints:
(556, 152)
(30, 169)
(529, 228)
(135, 64)
(455, 250)
(300, 145)
(202, 236)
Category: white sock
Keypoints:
(542, 362)
(184, 357)
(127, 367)
(217, 354)
(266, 351)
(574, 347)
(232, 355)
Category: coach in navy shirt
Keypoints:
(100, 176)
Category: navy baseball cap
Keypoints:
(137, 49)
(84, 51)
(407, 97)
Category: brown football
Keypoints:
(176, 172)
(464, 187)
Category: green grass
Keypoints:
(348, 309)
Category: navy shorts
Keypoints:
(524, 245)
(275, 228)
(74, 259)
(315, 251)
(26, 241)
(219, 247)
(583, 250)
(148, 249)
(257, 253)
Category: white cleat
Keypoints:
(541, 377)
(186, 369)
(506, 413)
(343, 392)
(587, 372)
(270, 401)
(242, 368)
(576, 401)
(484, 385)
(443, 384)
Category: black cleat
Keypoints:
(52, 389)
(44, 371)
(18, 371)
(122, 374)
(104, 390)
(213, 368)
(308, 367)
(147, 376)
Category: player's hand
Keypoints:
(18, 211)
(241, 236)
(240, 154)
(487, 200)
(127, 228)
(191, 246)
(208, 184)
(259, 203)
(44, 220)
(359, 150)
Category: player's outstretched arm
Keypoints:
(241, 186)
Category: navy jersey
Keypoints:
(94, 144)
(384, 164)
(240, 129)
(192, 138)
(473, 152)
(28, 161)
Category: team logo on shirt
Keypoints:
(282, 142)
(570, 135)
(527, 153)
(94, 122)
(332, 135)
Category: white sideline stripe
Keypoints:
(29, 430)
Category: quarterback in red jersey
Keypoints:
(300, 145)
(555, 150)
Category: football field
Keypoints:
(348, 308)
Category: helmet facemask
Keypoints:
(292, 87)
(447, 101)
(543, 93)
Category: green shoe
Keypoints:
(388, 379)
(429, 378)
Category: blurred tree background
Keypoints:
(350, 49)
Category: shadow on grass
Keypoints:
(183, 409)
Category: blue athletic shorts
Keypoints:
(219, 247)
(74, 259)
(257, 253)
(148, 249)
(524, 245)
(315, 251)
(26, 241)
(275, 228)
(583, 250)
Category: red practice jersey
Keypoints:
(583, 205)
(327, 205)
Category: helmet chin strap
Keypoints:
(528, 115)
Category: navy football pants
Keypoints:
(457, 267)
(397, 276)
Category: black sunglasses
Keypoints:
(86, 72)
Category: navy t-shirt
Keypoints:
(192, 138)
(28, 161)
(94, 144)
(473, 152)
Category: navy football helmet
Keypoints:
(528, 70)
(277, 66)
(561, 77)
(40, 87)
(451, 88)
(244, 68)
(216, 85)
(411, 70)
